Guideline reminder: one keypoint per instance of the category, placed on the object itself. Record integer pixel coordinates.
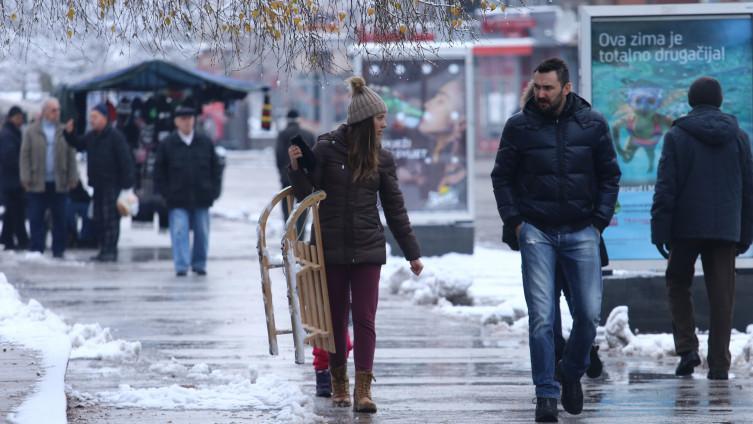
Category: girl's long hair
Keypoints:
(363, 149)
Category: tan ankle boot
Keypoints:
(340, 390)
(362, 393)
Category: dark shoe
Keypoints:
(201, 272)
(572, 393)
(181, 273)
(596, 367)
(57, 255)
(546, 410)
(688, 361)
(323, 384)
(718, 375)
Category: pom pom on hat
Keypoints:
(356, 84)
(364, 102)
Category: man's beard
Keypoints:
(551, 108)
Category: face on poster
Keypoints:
(426, 130)
(641, 71)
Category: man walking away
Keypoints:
(555, 182)
(14, 234)
(703, 205)
(48, 170)
(110, 170)
(187, 173)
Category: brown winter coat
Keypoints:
(33, 160)
(352, 232)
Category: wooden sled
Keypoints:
(303, 265)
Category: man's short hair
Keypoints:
(555, 64)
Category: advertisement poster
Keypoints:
(641, 68)
(426, 133)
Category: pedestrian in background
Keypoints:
(14, 235)
(188, 175)
(79, 201)
(703, 205)
(110, 170)
(48, 171)
(555, 182)
(292, 129)
(353, 169)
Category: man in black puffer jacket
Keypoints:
(703, 205)
(556, 180)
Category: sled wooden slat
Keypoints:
(316, 319)
(321, 319)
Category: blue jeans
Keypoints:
(36, 206)
(181, 222)
(577, 255)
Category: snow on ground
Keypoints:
(204, 388)
(617, 336)
(487, 286)
(201, 387)
(27, 258)
(33, 326)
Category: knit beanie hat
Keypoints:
(364, 103)
(102, 108)
(705, 91)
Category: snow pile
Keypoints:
(91, 341)
(173, 369)
(489, 277)
(214, 389)
(428, 288)
(38, 329)
(618, 336)
(747, 350)
(25, 257)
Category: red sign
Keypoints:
(509, 26)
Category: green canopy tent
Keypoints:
(156, 76)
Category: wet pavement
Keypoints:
(20, 369)
(429, 368)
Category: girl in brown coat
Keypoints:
(352, 168)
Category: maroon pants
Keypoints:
(355, 286)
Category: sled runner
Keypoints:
(303, 265)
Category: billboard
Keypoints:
(637, 65)
(428, 133)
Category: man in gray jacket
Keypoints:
(48, 171)
(703, 205)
